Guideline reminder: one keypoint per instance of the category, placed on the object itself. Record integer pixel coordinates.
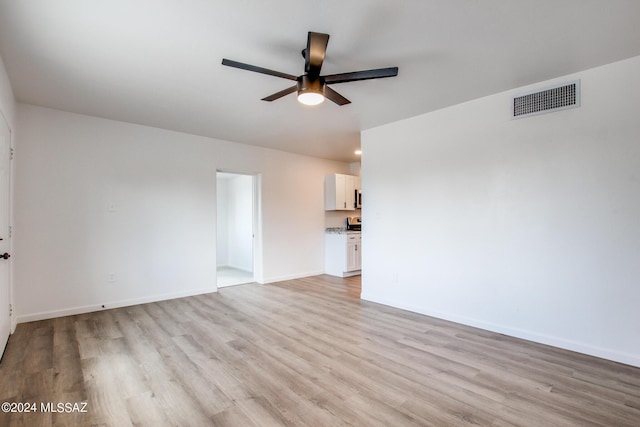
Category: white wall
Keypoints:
(222, 220)
(240, 222)
(528, 227)
(95, 198)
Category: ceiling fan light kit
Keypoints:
(313, 88)
(310, 98)
(310, 92)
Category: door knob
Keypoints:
(5, 256)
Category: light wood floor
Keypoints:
(304, 352)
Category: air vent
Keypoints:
(547, 101)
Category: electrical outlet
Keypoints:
(111, 277)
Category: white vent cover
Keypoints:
(547, 101)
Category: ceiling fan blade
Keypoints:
(335, 96)
(242, 66)
(361, 75)
(280, 94)
(314, 54)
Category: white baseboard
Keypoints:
(114, 304)
(604, 353)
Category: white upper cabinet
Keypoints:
(340, 192)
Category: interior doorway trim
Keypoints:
(256, 218)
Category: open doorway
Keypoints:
(236, 223)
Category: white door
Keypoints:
(5, 163)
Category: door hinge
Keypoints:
(10, 310)
(10, 230)
(11, 153)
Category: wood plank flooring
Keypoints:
(304, 352)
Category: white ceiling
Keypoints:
(157, 62)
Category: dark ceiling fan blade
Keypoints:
(335, 96)
(361, 75)
(242, 66)
(314, 54)
(280, 94)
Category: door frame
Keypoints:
(12, 317)
(258, 271)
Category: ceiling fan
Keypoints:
(313, 88)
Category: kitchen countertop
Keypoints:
(340, 230)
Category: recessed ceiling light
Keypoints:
(358, 152)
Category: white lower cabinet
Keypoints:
(343, 254)
(354, 259)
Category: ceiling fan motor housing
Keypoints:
(306, 85)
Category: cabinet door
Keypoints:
(354, 259)
(350, 192)
(334, 192)
(341, 194)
